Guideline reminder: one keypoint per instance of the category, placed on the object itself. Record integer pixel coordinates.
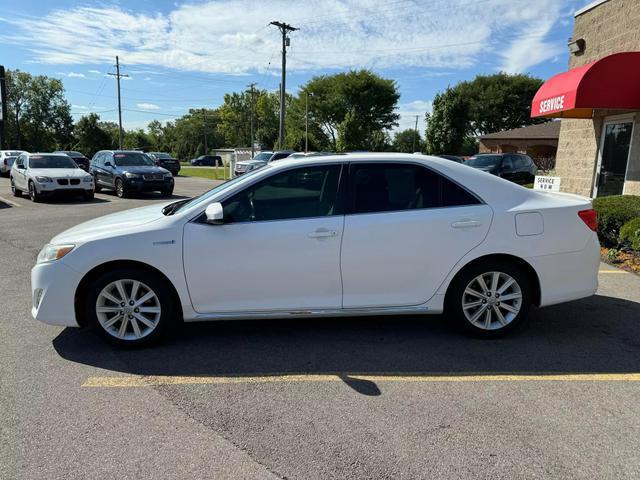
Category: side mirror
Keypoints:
(214, 214)
(20, 167)
(108, 164)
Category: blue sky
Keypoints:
(188, 54)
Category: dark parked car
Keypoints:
(165, 160)
(515, 167)
(453, 158)
(82, 161)
(207, 161)
(127, 172)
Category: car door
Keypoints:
(19, 177)
(108, 172)
(508, 169)
(278, 248)
(406, 226)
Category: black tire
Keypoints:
(16, 192)
(97, 188)
(88, 195)
(33, 193)
(121, 189)
(457, 294)
(168, 316)
(166, 192)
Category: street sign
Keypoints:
(547, 184)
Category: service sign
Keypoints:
(547, 184)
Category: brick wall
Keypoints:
(611, 27)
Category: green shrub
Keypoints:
(630, 234)
(612, 255)
(613, 213)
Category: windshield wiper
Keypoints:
(175, 206)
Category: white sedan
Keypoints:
(43, 174)
(358, 234)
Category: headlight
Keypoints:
(87, 179)
(131, 175)
(43, 180)
(168, 175)
(53, 252)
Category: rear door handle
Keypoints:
(322, 233)
(466, 224)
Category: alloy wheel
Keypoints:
(492, 300)
(128, 309)
(119, 188)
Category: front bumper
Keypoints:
(141, 185)
(53, 287)
(51, 188)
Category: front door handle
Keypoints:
(322, 233)
(466, 224)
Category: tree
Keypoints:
(488, 103)
(447, 124)
(91, 136)
(39, 117)
(353, 109)
(407, 141)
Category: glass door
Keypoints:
(614, 155)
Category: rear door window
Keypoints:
(392, 187)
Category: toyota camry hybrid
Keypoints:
(357, 234)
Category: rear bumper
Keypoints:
(568, 276)
(53, 287)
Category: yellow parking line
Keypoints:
(2, 199)
(158, 380)
(612, 271)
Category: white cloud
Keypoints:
(147, 106)
(71, 74)
(232, 36)
(79, 107)
(97, 72)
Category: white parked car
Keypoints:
(42, 174)
(362, 234)
(7, 157)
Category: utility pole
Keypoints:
(416, 135)
(117, 75)
(284, 29)
(251, 86)
(306, 121)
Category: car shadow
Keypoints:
(595, 335)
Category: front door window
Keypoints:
(616, 141)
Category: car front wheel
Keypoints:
(490, 299)
(130, 307)
(121, 190)
(33, 193)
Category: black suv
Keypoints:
(80, 159)
(128, 171)
(515, 167)
(165, 160)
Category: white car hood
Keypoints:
(115, 224)
(58, 172)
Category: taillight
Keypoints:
(590, 218)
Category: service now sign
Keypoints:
(548, 184)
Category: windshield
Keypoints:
(214, 191)
(132, 160)
(13, 153)
(51, 161)
(263, 156)
(484, 161)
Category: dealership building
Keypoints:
(598, 100)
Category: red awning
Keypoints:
(612, 82)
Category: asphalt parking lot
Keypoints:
(394, 397)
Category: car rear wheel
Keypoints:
(33, 193)
(16, 192)
(130, 308)
(96, 187)
(490, 299)
(121, 190)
